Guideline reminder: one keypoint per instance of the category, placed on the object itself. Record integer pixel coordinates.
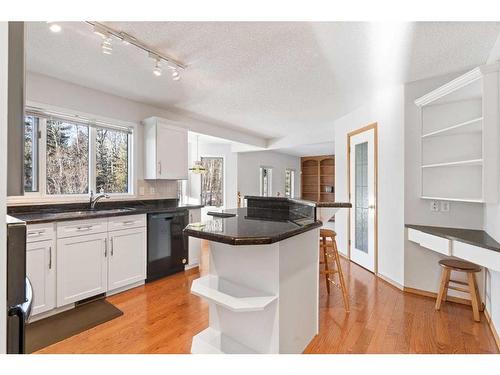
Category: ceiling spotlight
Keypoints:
(54, 27)
(107, 46)
(157, 70)
(175, 73)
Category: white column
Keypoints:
(3, 182)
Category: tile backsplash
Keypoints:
(157, 189)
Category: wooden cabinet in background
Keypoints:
(318, 178)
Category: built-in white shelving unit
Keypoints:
(230, 295)
(460, 137)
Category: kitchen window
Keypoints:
(65, 157)
(266, 181)
(212, 182)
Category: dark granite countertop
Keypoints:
(252, 226)
(470, 236)
(37, 214)
(334, 204)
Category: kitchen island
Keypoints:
(262, 285)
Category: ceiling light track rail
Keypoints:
(126, 38)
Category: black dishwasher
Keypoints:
(167, 246)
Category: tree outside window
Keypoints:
(212, 182)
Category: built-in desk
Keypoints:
(475, 246)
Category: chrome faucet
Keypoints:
(95, 198)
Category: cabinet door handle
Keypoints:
(50, 257)
(105, 248)
(159, 167)
(84, 228)
(112, 247)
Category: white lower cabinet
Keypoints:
(127, 257)
(194, 243)
(41, 270)
(82, 267)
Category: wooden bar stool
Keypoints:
(470, 286)
(331, 262)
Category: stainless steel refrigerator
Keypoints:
(19, 291)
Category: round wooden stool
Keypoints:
(471, 285)
(329, 251)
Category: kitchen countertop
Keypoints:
(470, 236)
(65, 212)
(252, 226)
(333, 204)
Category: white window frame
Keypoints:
(41, 194)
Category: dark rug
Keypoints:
(58, 327)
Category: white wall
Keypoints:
(386, 109)
(230, 171)
(249, 164)
(50, 92)
(417, 211)
(492, 226)
(3, 182)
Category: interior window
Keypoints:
(212, 182)
(266, 181)
(289, 183)
(67, 158)
(111, 160)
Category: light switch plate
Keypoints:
(434, 206)
(445, 206)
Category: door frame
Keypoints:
(371, 126)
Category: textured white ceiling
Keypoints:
(268, 78)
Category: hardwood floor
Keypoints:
(162, 317)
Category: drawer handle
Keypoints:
(37, 233)
(84, 228)
(128, 222)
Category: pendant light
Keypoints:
(198, 167)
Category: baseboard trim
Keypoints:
(390, 281)
(433, 295)
(492, 328)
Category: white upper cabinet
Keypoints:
(165, 150)
(460, 137)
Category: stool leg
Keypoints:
(471, 277)
(345, 295)
(325, 257)
(443, 288)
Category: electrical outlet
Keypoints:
(445, 206)
(434, 206)
(141, 190)
(152, 190)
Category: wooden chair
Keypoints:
(331, 262)
(470, 286)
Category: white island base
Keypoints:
(263, 298)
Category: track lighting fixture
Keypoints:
(157, 70)
(107, 46)
(107, 34)
(54, 27)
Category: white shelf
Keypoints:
(474, 125)
(235, 297)
(455, 163)
(471, 200)
(211, 341)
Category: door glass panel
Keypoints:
(361, 195)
